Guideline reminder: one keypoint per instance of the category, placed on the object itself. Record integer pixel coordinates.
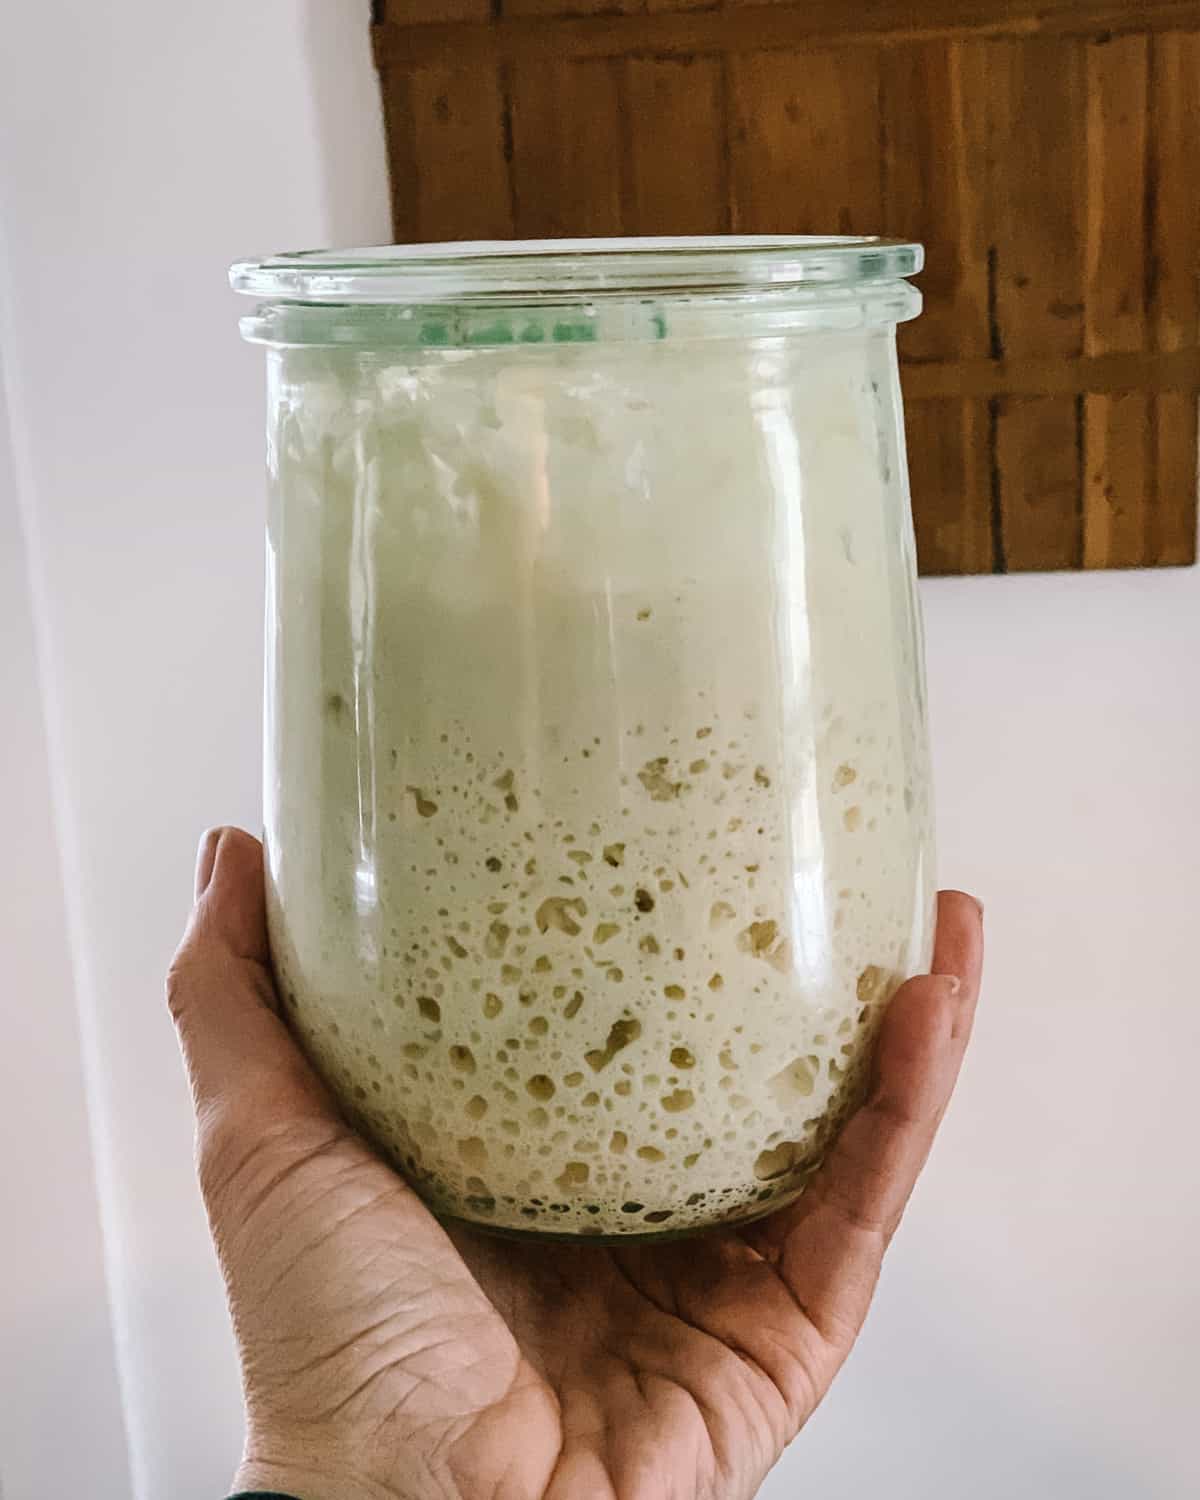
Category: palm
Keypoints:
(680, 1370)
(408, 1361)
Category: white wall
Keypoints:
(145, 147)
(56, 1335)
(1035, 1328)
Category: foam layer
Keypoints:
(598, 820)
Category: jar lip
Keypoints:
(490, 272)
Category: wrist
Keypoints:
(305, 1482)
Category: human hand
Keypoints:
(385, 1357)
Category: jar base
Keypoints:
(611, 1241)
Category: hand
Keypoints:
(384, 1356)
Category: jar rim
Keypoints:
(491, 272)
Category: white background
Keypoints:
(1036, 1329)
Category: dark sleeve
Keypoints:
(260, 1495)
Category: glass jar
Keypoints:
(597, 796)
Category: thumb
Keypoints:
(241, 1060)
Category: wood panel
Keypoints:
(454, 170)
(804, 143)
(1174, 283)
(568, 143)
(1035, 211)
(934, 158)
(1037, 443)
(950, 472)
(677, 180)
(1034, 376)
(1119, 478)
(788, 26)
(1046, 152)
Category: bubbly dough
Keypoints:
(598, 807)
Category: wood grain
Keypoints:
(677, 180)
(1172, 524)
(1033, 376)
(1174, 283)
(567, 149)
(804, 143)
(1035, 196)
(407, 13)
(459, 184)
(949, 465)
(1118, 489)
(1035, 211)
(1038, 443)
(764, 27)
(934, 149)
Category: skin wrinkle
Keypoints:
(285, 1173)
(385, 1358)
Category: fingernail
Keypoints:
(206, 859)
(954, 982)
(978, 903)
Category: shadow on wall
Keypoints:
(918, 1412)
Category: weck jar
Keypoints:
(597, 805)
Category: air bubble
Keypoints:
(425, 805)
(796, 1078)
(872, 984)
(473, 1151)
(763, 940)
(622, 1032)
(657, 783)
(678, 1100)
(496, 940)
(560, 913)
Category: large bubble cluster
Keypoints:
(605, 1028)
